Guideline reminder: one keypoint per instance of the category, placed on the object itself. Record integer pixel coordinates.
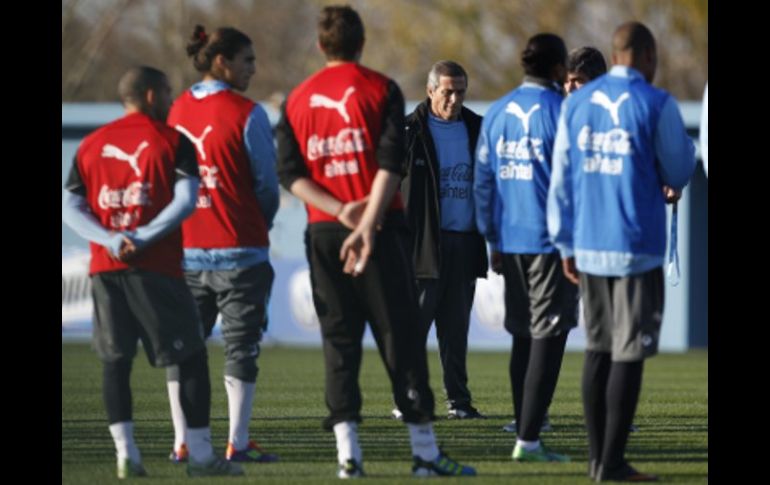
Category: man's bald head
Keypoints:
(634, 36)
(135, 83)
(634, 45)
(147, 90)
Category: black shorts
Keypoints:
(623, 315)
(539, 300)
(241, 295)
(136, 304)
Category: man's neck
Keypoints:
(439, 118)
(129, 109)
(338, 62)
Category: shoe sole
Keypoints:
(510, 429)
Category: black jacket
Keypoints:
(420, 190)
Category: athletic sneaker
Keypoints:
(252, 453)
(181, 455)
(215, 467)
(624, 473)
(465, 412)
(350, 469)
(540, 454)
(128, 468)
(546, 426)
(441, 466)
(396, 414)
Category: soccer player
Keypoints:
(226, 246)
(618, 139)
(340, 149)
(132, 183)
(513, 169)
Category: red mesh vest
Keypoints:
(337, 116)
(128, 168)
(227, 213)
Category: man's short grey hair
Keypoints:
(445, 68)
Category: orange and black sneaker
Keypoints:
(252, 453)
(181, 455)
(624, 473)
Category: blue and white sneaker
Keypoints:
(442, 466)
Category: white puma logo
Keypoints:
(111, 151)
(321, 101)
(516, 111)
(197, 141)
(598, 97)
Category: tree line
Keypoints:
(102, 38)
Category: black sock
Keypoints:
(517, 370)
(623, 388)
(540, 383)
(596, 372)
(116, 390)
(195, 390)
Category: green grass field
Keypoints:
(672, 417)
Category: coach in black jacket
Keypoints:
(448, 252)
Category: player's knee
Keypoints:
(241, 360)
(245, 369)
(195, 364)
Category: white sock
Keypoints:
(199, 444)
(125, 446)
(423, 441)
(240, 396)
(177, 414)
(348, 447)
(528, 445)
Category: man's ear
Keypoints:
(219, 64)
(149, 97)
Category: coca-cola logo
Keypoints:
(616, 141)
(525, 148)
(348, 140)
(137, 193)
(462, 172)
